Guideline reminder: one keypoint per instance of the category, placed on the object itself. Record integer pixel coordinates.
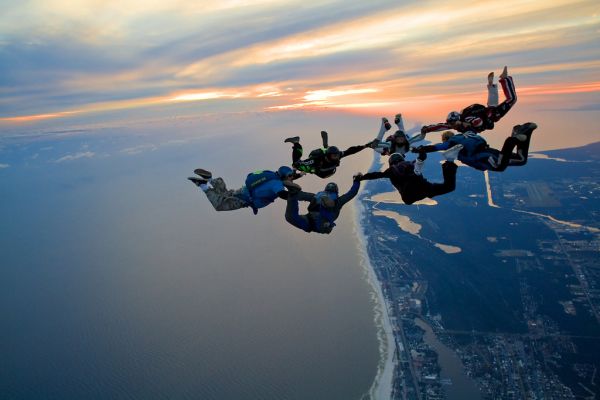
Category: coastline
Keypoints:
(383, 383)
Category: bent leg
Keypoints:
(296, 152)
(520, 140)
(292, 216)
(223, 199)
(508, 87)
(399, 121)
(520, 158)
(493, 98)
(506, 153)
(449, 184)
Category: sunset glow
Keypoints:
(361, 58)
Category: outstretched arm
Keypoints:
(343, 199)
(416, 138)
(375, 175)
(435, 127)
(353, 150)
(306, 196)
(301, 196)
(432, 148)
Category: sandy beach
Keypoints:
(382, 385)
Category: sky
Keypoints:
(61, 60)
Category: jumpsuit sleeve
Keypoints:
(435, 147)
(343, 199)
(435, 127)
(305, 196)
(352, 150)
(375, 175)
(416, 138)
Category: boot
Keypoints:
(203, 173)
(452, 152)
(293, 139)
(198, 181)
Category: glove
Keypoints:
(373, 143)
(357, 177)
(416, 149)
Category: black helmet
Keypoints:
(331, 187)
(399, 133)
(332, 150)
(396, 158)
(453, 116)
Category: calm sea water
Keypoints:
(118, 280)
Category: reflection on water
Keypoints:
(448, 249)
(462, 386)
(403, 221)
(547, 157)
(414, 229)
(394, 198)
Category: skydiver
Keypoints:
(407, 176)
(477, 117)
(478, 154)
(323, 209)
(398, 142)
(321, 162)
(261, 189)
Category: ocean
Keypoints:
(118, 279)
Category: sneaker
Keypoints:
(293, 139)
(386, 123)
(197, 181)
(203, 173)
(493, 162)
(452, 152)
(504, 73)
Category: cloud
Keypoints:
(139, 149)
(58, 59)
(71, 157)
(2, 166)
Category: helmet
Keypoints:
(331, 187)
(332, 150)
(396, 158)
(453, 116)
(399, 133)
(284, 172)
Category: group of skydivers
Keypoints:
(263, 187)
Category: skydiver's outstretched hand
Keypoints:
(416, 149)
(357, 177)
(292, 187)
(373, 143)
